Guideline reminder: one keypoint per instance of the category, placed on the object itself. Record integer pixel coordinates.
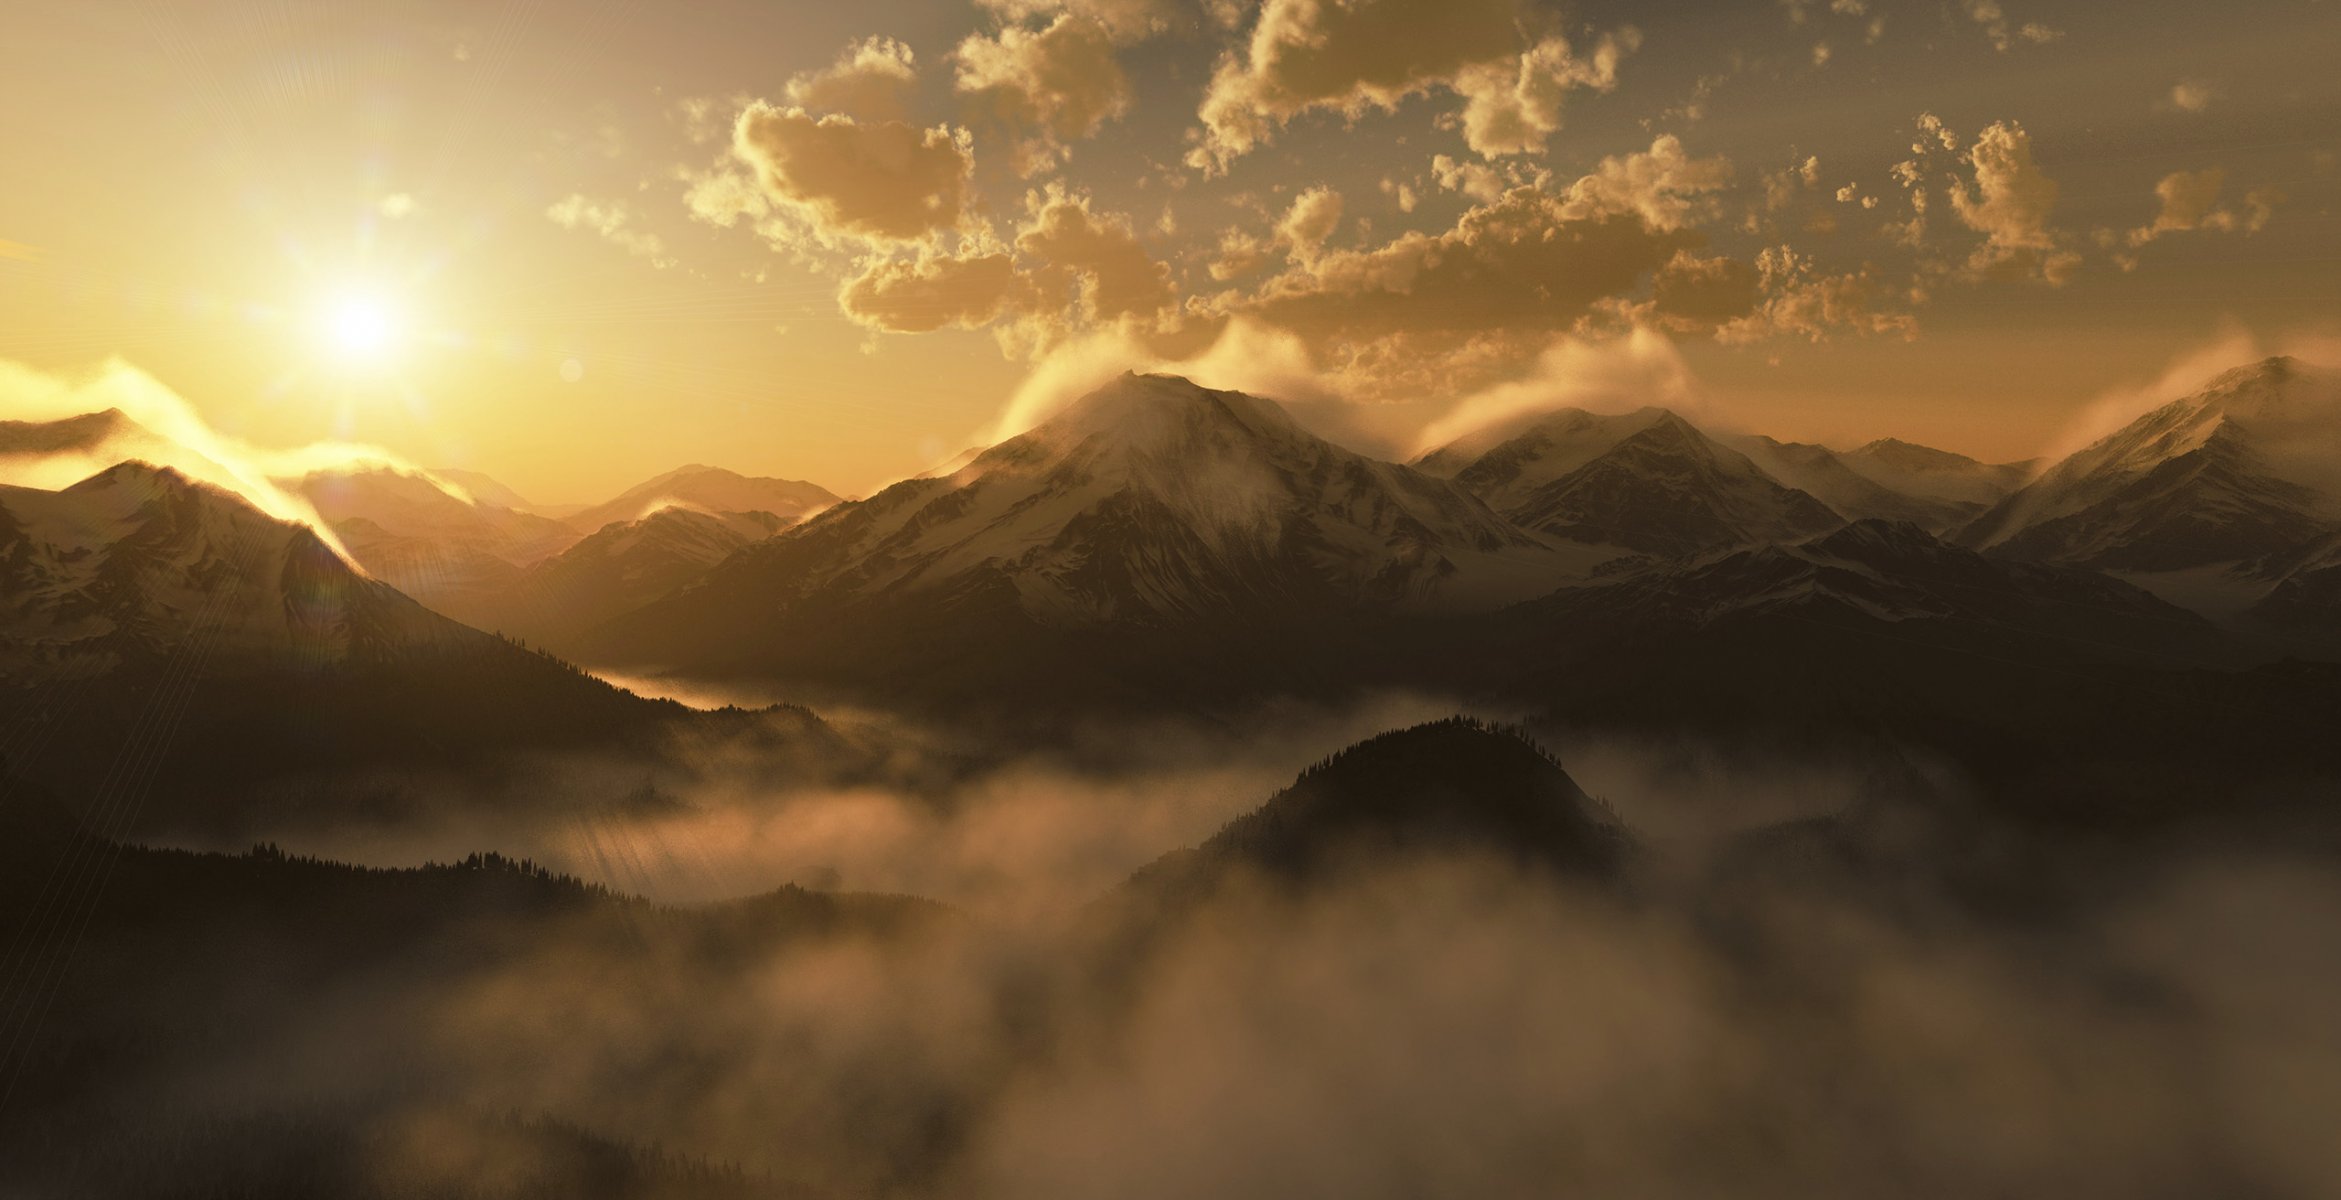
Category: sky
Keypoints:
(574, 245)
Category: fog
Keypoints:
(1751, 1016)
(1444, 1027)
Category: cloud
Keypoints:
(2190, 203)
(932, 292)
(2009, 203)
(1300, 233)
(1484, 182)
(1314, 215)
(1071, 268)
(1127, 20)
(2003, 33)
(873, 80)
(2191, 96)
(1799, 300)
(1062, 82)
(1090, 261)
(1512, 107)
(1435, 311)
(1346, 57)
(1611, 375)
(878, 180)
(1664, 185)
(614, 222)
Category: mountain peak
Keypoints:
(1143, 408)
(137, 472)
(1911, 456)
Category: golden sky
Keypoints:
(574, 245)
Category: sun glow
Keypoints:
(361, 328)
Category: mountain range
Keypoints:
(1158, 544)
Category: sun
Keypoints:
(360, 327)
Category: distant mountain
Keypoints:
(1646, 481)
(162, 636)
(1886, 479)
(1449, 787)
(626, 565)
(711, 490)
(450, 551)
(1925, 473)
(1153, 524)
(2243, 469)
(484, 489)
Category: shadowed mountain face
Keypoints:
(1891, 576)
(232, 650)
(2240, 470)
(625, 566)
(1448, 788)
(137, 564)
(1645, 481)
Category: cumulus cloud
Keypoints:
(1090, 262)
(1060, 83)
(614, 221)
(1300, 233)
(2004, 33)
(2189, 202)
(1071, 268)
(1799, 300)
(881, 180)
(1314, 215)
(1345, 57)
(873, 80)
(1511, 107)
(933, 291)
(1425, 310)
(2009, 201)
(1126, 20)
(1484, 182)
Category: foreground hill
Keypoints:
(1456, 787)
(267, 1026)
